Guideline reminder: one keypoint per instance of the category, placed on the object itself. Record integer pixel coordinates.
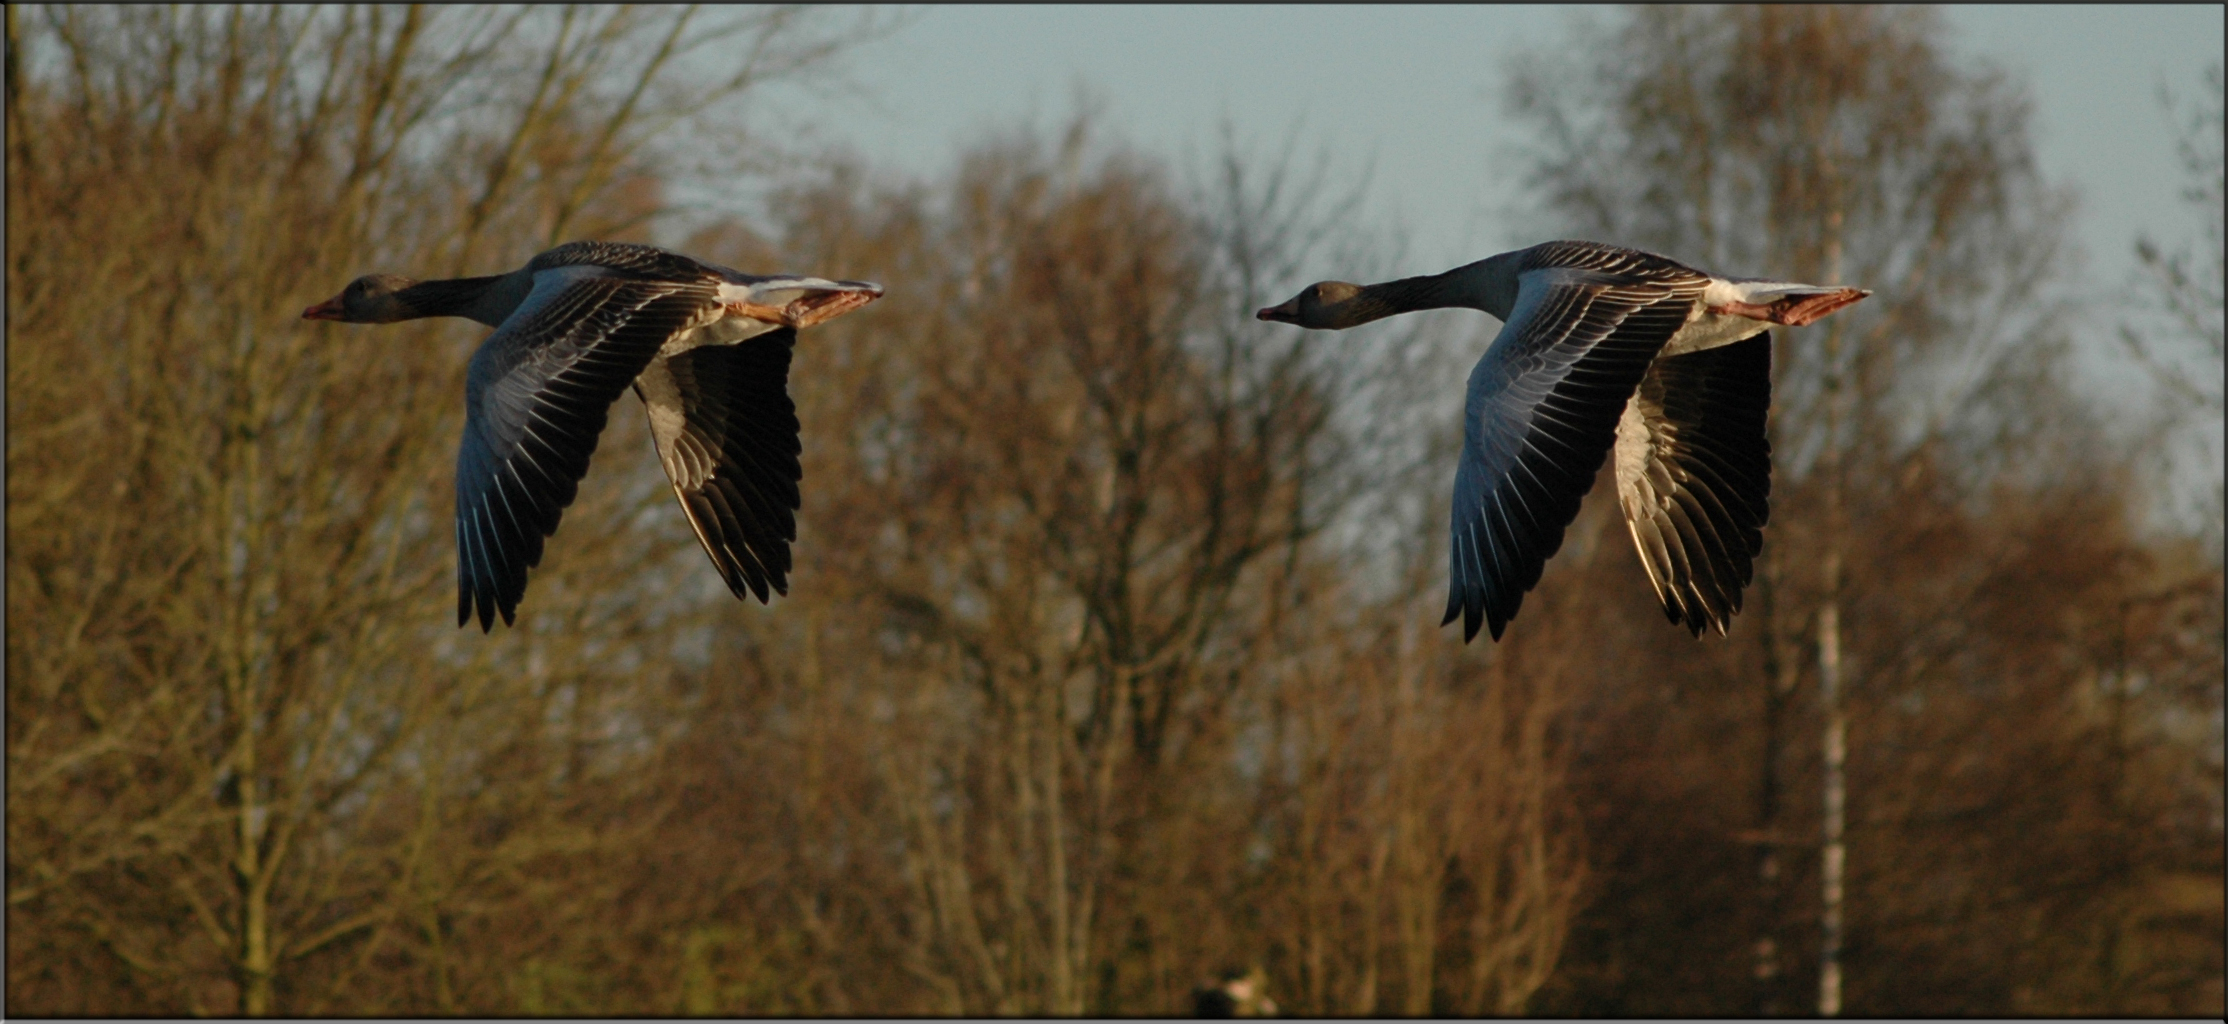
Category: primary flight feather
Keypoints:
(1602, 348)
(705, 347)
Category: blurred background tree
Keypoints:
(1930, 454)
(249, 772)
(1052, 681)
(2185, 283)
(2175, 332)
(1109, 658)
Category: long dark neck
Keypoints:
(1489, 285)
(1431, 291)
(1377, 301)
(474, 298)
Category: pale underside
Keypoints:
(708, 351)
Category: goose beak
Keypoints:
(1287, 312)
(326, 310)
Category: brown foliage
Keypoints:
(1108, 660)
(1937, 487)
(1084, 701)
(1076, 698)
(247, 769)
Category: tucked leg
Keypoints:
(820, 307)
(1794, 310)
(769, 314)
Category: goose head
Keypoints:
(1329, 306)
(370, 299)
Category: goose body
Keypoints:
(706, 348)
(1602, 349)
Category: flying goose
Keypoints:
(706, 348)
(1601, 347)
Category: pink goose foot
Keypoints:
(804, 312)
(1794, 310)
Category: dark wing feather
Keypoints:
(726, 431)
(1616, 260)
(626, 259)
(1541, 416)
(1694, 475)
(535, 398)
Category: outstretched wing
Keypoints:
(1694, 474)
(535, 398)
(1541, 415)
(628, 259)
(727, 433)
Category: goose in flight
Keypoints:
(706, 348)
(1602, 347)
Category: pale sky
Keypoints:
(1413, 94)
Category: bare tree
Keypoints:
(1083, 498)
(2178, 335)
(238, 743)
(1786, 142)
(1105, 663)
(1839, 144)
(2187, 283)
(1085, 602)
